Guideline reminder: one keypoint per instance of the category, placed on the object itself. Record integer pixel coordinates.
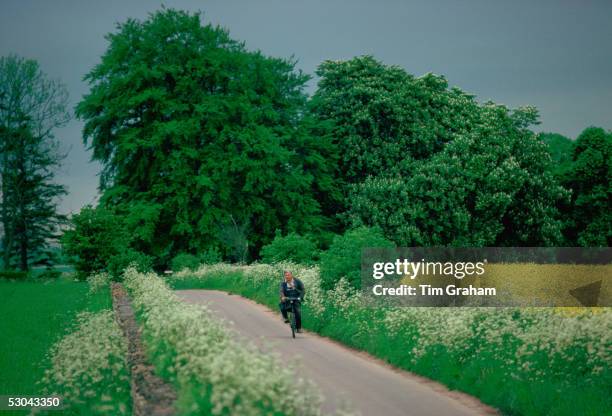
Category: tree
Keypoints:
(99, 239)
(208, 135)
(488, 188)
(95, 235)
(384, 119)
(31, 107)
(589, 213)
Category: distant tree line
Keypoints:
(210, 147)
(212, 150)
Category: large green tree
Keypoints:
(31, 107)
(203, 141)
(485, 189)
(431, 166)
(384, 119)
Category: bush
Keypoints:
(13, 275)
(97, 235)
(292, 247)
(119, 262)
(184, 261)
(211, 256)
(343, 259)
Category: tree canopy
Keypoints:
(197, 135)
(430, 165)
(207, 146)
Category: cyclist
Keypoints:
(291, 287)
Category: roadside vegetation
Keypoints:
(88, 369)
(529, 361)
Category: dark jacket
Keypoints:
(298, 292)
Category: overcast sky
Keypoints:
(556, 55)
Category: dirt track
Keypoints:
(342, 374)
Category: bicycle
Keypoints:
(291, 313)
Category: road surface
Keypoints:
(343, 375)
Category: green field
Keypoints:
(35, 314)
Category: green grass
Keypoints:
(35, 314)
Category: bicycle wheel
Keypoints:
(293, 325)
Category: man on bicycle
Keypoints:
(291, 287)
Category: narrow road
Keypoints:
(342, 374)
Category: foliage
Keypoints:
(184, 261)
(343, 259)
(31, 107)
(97, 235)
(50, 273)
(492, 187)
(88, 368)
(589, 214)
(98, 282)
(120, 261)
(210, 256)
(384, 119)
(188, 121)
(214, 373)
(292, 247)
(560, 149)
(522, 361)
(432, 166)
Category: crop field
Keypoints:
(522, 361)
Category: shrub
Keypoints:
(184, 261)
(118, 263)
(13, 275)
(211, 256)
(343, 259)
(292, 247)
(97, 235)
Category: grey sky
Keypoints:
(556, 55)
